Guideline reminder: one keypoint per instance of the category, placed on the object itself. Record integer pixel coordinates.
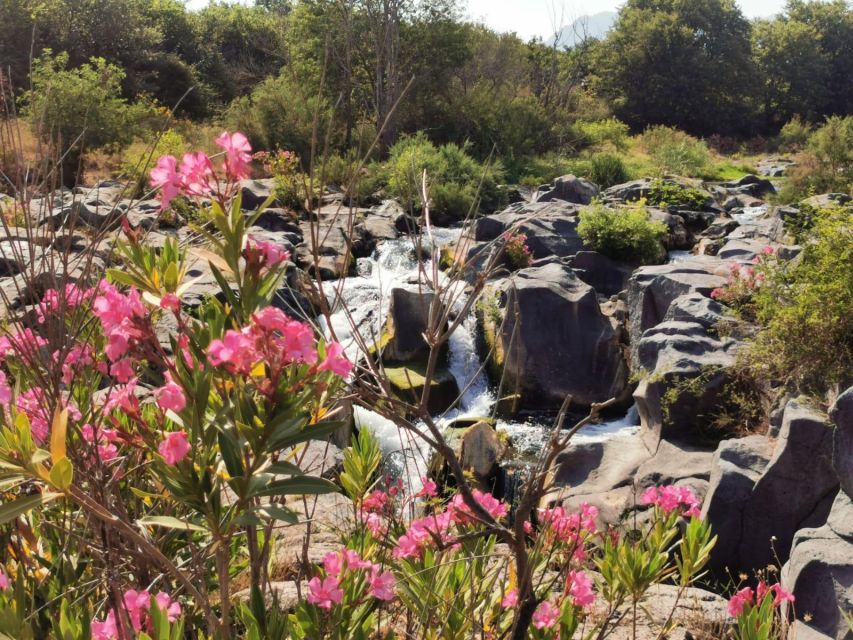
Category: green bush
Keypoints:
(606, 170)
(794, 134)
(673, 151)
(664, 194)
(806, 308)
(457, 180)
(625, 234)
(602, 133)
(827, 163)
(141, 156)
(540, 170)
(82, 106)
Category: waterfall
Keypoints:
(366, 296)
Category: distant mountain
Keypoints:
(594, 26)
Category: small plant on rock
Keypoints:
(517, 251)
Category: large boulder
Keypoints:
(652, 289)
(603, 274)
(841, 415)
(795, 488)
(568, 188)
(750, 185)
(737, 466)
(820, 575)
(407, 320)
(550, 227)
(547, 336)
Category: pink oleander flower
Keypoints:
(324, 593)
(235, 352)
(5, 389)
(4, 581)
(333, 563)
(579, 587)
(52, 302)
(106, 629)
(175, 447)
(375, 501)
(197, 174)
(428, 490)
(238, 154)
(106, 437)
(545, 616)
(122, 370)
(170, 302)
(33, 404)
(670, 498)
(768, 250)
(123, 397)
(336, 361)
(172, 608)
(423, 533)
(264, 254)
(381, 584)
(462, 514)
(779, 594)
(374, 524)
(165, 176)
(299, 344)
(170, 397)
(739, 600)
(510, 599)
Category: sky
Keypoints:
(529, 18)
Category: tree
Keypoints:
(833, 23)
(792, 70)
(684, 63)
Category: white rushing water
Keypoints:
(364, 304)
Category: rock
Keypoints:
(283, 594)
(340, 236)
(736, 467)
(820, 575)
(408, 318)
(798, 477)
(637, 189)
(319, 458)
(550, 227)
(826, 200)
(737, 202)
(393, 212)
(143, 214)
(551, 340)
(652, 289)
(478, 448)
(569, 188)
(841, 414)
(256, 192)
(408, 382)
(606, 276)
(677, 236)
(750, 185)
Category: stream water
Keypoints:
(362, 303)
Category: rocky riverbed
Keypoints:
(575, 322)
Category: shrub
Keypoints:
(140, 157)
(806, 308)
(624, 234)
(540, 170)
(673, 151)
(517, 252)
(82, 106)
(457, 180)
(794, 134)
(606, 170)
(664, 193)
(602, 133)
(827, 163)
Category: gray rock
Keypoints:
(737, 466)
(820, 575)
(570, 189)
(825, 200)
(407, 320)
(652, 289)
(551, 339)
(750, 185)
(841, 415)
(255, 192)
(550, 227)
(606, 276)
(797, 478)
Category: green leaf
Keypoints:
(282, 467)
(298, 486)
(275, 512)
(12, 510)
(62, 474)
(170, 523)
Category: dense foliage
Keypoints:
(624, 234)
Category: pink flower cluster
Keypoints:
(137, 604)
(4, 581)
(747, 598)
(23, 343)
(175, 447)
(516, 248)
(339, 566)
(33, 404)
(52, 301)
(670, 498)
(743, 280)
(277, 341)
(436, 528)
(196, 175)
(121, 316)
(578, 588)
(263, 254)
(104, 439)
